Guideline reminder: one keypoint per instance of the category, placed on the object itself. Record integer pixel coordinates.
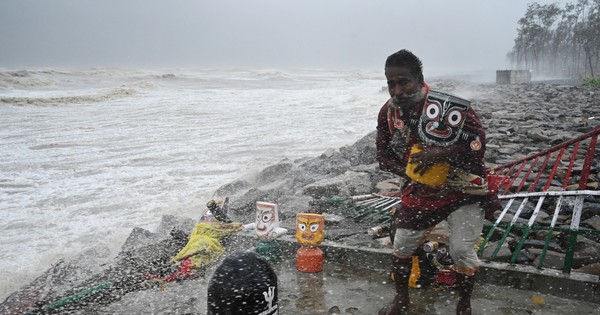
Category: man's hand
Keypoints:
(428, 156)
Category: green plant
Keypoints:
(593, 82)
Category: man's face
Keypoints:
(404, 88)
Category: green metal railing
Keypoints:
(374, 209)
(572, 231)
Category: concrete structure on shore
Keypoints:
(513, 76)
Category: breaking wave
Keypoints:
(22, 79)
(120, 92)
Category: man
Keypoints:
(436, 143)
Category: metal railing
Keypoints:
(563, 173)
(555, 181)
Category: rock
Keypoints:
(539, 244)
(332, 219)
(538, 135)
(274, 173)
(57, 281)
(586, 256)
(524, 257)
(593, 222)
(542, 217)
(552, 260)
(388, 185)
(352, 310)
(168, 223)
(504, 254)
(333, 163)
(234, 189)
(140, 237)
(593, 269)
(290, 205)
(349, 183)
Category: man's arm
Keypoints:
(388, 160)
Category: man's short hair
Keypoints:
(405, 58)
(244, 283)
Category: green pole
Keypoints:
(77, 296)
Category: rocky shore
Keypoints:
(519, 119)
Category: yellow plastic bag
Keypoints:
(204, 246)
(434, 176)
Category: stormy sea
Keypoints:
(87, 155)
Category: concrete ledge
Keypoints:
(574, 285)
(577, 286)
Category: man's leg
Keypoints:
(465, 226)
(405, 243)
(465, 286)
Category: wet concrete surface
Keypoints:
(340, 289)
(343, 290)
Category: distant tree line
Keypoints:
(557, 41)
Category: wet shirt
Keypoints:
(425, 206)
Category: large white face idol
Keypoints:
(442, 119)
(267, 219)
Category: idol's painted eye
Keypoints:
(314, 227)
(454, 118)
(432, 111)
(266, 217)
(302, 227)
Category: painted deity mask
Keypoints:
(267, 219)
(442, 119)
(310, 228)
(216, 210)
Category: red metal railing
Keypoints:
(564, 172)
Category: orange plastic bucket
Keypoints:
(309, 259)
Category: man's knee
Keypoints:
(465, 260)
(406, 242)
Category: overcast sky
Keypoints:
(448, 35)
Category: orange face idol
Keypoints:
(310, 228)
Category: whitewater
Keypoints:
(89, 154)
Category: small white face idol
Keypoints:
(267, 219)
